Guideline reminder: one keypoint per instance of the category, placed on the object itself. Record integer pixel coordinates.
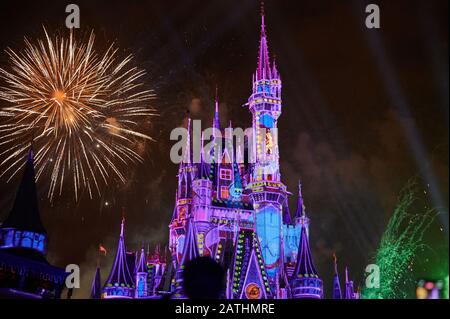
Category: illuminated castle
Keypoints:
(235, 212)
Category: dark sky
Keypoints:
(352, 99)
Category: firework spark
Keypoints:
(82, 110)
(402, 239)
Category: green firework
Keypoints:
(402, 239)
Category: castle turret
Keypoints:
(349, 289)
(187, 170)
(266, 190)
(96, 288)
(305, 281)
(286, 215)
(156, 265)
(23, 230)
(202, 186)
(141, 275)
(337, 293)
(190, 252)
(216, 121)
(24, 270)
(186, 175)
(120, 283)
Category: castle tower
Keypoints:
(265, 106)
(187, 170)
(186, 174)
(141, 275)
(190, 252)
(267, 192)
(305, 282)
(337, 293)
(120, 283)
(301, 208)
(23, 227)
(156, 266)
(25, 271)
(96, 288)
(349, 289)
(202, 188)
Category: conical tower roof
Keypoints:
(25, 214)
(305, 265)
(263, 71)
(337, 293)
(96, 289)
(141, 265)
(190, 248)
(120, 274)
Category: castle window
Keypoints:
(225, 174)
(224, 192)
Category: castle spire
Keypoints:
(263, 71)
(300, 214)
(190, 248)
(300, 205)
(141, 275)
(25, 214)
(120, 282)
(187, 153)
(190, 252)
(96, 284)
(122, 226)
(203, 170)
(305, 280)
(286, 215)
(349, 289)
(337, 293)
(275, 73)
(141, 264)
(216, 122)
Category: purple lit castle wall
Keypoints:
(236, 213)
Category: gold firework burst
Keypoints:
(82, 110)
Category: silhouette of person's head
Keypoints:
(203, 278)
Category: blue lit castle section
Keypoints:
(24, 269)
(235, 212)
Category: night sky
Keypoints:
(351, 99)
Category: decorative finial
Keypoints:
(31, 150)
(217, 99)
(300, 196)
(123, 222)
(216, 121)
(263, 26)
(335, 262)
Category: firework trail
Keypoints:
(402, 239)
(81, 109)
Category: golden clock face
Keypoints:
(253, 291)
